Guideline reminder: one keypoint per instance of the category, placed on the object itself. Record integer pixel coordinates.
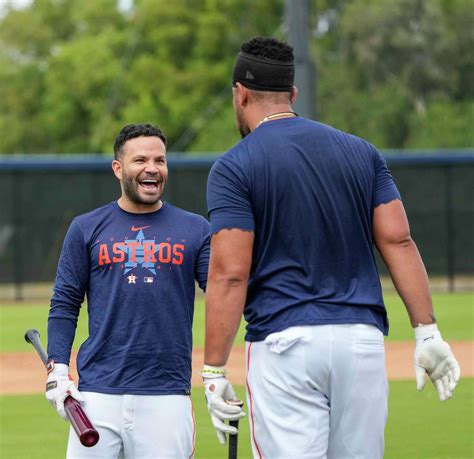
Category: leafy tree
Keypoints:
(72, 73)
(446, 124)
(57, 58)
(398, 40)
(389, 64)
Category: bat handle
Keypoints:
(233, 439)
(234, 424)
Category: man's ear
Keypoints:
(293, 95)
(242, 95)
(117, 168)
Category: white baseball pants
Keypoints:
(137, 427)
(318, 392)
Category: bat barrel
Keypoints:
(80, 422)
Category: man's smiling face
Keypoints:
(143, 171)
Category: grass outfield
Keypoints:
(455, 314)
(419, 426)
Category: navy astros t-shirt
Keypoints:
(308, 191)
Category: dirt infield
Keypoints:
(23, 373)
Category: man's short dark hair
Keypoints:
(132, 131)
(264, 88)
(269, 48)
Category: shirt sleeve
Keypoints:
(202, 264)
(72, 279)
(385, 189)
(228, 198)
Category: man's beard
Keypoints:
(241, 124)
(130, 189)
(244, 132)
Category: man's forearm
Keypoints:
(229, 268)
(61, 333)
(225, 300)
(410, 280)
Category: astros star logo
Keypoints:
(139, 254)
(132, 279)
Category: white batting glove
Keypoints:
(221, 401)
(434, 357)
(59, 386)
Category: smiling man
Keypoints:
(143, 171)
(137, 260)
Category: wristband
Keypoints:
(50, 367)
(59, 369)
(427, 332)
(208, 371)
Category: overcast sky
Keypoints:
(4, 4)
(124, 5)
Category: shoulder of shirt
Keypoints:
(257, 134)
(99, 212)
(85, 223)
(185, 213)
(232, 157)
(343, 135)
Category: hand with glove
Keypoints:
(221, 401)
(434, 357)
(59, 386)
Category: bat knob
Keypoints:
(235, 402)
(89, 437)
(30, 334)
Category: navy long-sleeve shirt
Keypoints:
(138, 272)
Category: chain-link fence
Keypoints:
(41, 195)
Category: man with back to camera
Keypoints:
(295, 210)
(137, 260)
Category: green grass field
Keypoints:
(419, 426)
(455, 314)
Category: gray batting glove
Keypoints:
(433, 357)
(59, 386)
(221, 401)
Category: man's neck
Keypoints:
(133, 208)
(268, 114)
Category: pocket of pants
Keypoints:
(280, 342)
(370, 340)
(369, 345)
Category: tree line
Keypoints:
(72, 72)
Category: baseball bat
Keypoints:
(88, 435)
(233, 439)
